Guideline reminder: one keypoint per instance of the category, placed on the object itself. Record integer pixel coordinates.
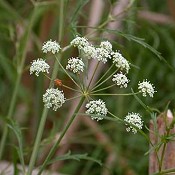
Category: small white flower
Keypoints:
(121, 80)
(76, 65)
(53, 98)
(120, 62)
(79, 42)
(97, 108)
(102, 54)
(146, 88)
(89, 51)
(134, 119)
(38, 66)
(51, 46)
(106, 45)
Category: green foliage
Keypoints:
(140, 41)
(76, 157)
(18, 133)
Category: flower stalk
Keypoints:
(55, 146)
(45, 111)
(41, 127)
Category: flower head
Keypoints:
(121, 80)
(97, 108)
(38, 66)
(76, 65)
(106, 45)
(90, 51)
(79, 42)
(102, 54)
(146, 88)
(53, 98)
(120, 62)
(51, 46)
(134, 119)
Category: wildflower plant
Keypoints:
(96, 108)
(90, 92)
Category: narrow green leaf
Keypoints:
(76, 157)
(79, 6)
(17, 131)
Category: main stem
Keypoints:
(17, 83)
(55, 146)
(45, 111)
(61, 20)
(41, 128)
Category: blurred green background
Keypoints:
(151, 20)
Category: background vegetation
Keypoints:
(121, 152)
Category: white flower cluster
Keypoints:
(120, 62)
(121, 80)
(97, 108)
(79, 42)
(38, 66)
(106, 45)
(76, 65)
(135, 120)
(101, 53)
(90, 51)
(51, 46)
(145, 88)
(53, 98)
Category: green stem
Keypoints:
(55, 146)
(103, 88)
(37, 141)
(103, 75)
(115, 116)
(67, 73)
(47, 77)
(80, 82)
(162, 156)
(66, 48)
(163, 152)
(78, 96)
(71, 88)
(105, 80)
(93, 75)
(17, 82)
(41, 127)
(45, 111)
(61, 20)
(116, 94)
(100, 26)
(168, 171)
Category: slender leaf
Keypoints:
(76, 157)
(79, 6)
(17, 131)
